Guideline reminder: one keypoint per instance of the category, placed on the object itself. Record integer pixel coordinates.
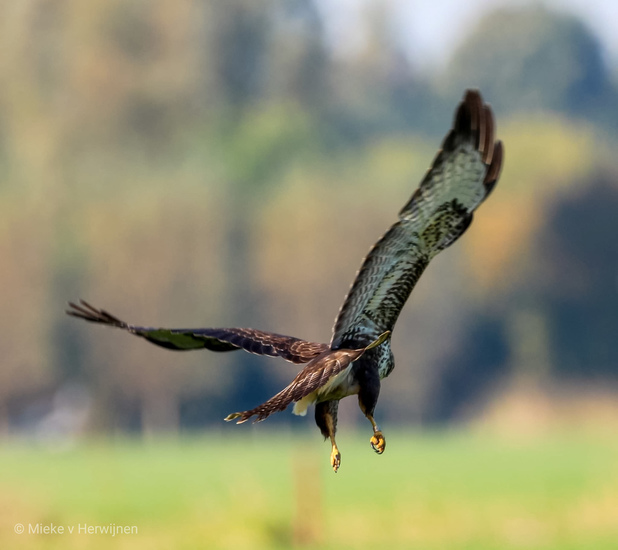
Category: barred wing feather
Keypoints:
(255, 341)
(461, 176)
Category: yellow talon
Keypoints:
(378, 442)
(335, 458)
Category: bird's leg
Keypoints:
(335, 455)
(326, 419)
(378, 443)
(369, 380)
(377, 440)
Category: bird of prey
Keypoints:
(359, 354)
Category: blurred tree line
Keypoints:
(216, 164)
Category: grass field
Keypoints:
(268, 489)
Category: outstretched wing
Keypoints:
(316, 374)
(214, 339)
(463, 173)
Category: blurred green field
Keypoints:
(270, 489)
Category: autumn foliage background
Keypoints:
(220, 164)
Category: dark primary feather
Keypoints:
(259, 342)
(461, 176)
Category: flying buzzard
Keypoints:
(359, 354)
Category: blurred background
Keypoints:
(188, 164)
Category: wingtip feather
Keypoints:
(87, 312)
(488, 144)
(493, 172)
(473, 120)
